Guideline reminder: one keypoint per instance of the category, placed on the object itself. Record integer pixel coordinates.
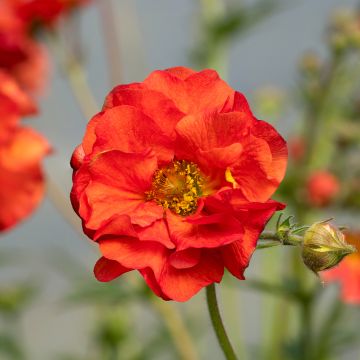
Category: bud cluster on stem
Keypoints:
(322, 244)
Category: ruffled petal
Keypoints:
(22, 182)
(117, 187)
(10, 118)
(254, 217)
(238, 104)
(252, 171)
(278, 148)
(106, 270)
(182, 284)
(134, 254)
(212, 139)
(180, 72)
(157, 231)
(153, 104)
(118, 225)
(127, 129)
(185, 259)
(200, 91)
(11, 90)
(150, 280)
(25, 148)
(203, 231)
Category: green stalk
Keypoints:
(217, 323)
(288, 239)
(211, 12)
(176, 327)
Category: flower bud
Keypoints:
(324, 246)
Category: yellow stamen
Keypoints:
(177, 187)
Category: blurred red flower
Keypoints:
(322, 187)
(21, 151)
(297, 148)
(173, 178)
(43, 12)
(20, 55)
(348, 272)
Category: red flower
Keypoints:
(14, 102)
(21, 56)
(297, 149)
(43, 12)
(348, 272)
(322, 187)
(21, 150)
(173, 178)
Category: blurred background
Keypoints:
(49, 301)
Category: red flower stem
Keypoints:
(217, 323)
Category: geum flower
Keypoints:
(173, 178)
(322, 188)
(20, 55)
(21, 152)
(43, 12)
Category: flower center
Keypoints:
(177, 187)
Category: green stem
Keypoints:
(179, 334)
(218, 52)
(323, 349)
(287, 239)
(217, 323)
(62, 204)
(306, 330)
(76, 76)
(109, 23)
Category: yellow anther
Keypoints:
(177, 187)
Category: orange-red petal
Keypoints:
(106, 270)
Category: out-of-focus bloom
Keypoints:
(322, 188)
(20, 55)
(21, 152)
(324, 246)
(297, 148)
(173, 178)
(43, 12)
(34, 73)
(14, 103)
(348, 272)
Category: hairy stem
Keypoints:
(287, 239)
(217, 323)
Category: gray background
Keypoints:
(154, 34)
